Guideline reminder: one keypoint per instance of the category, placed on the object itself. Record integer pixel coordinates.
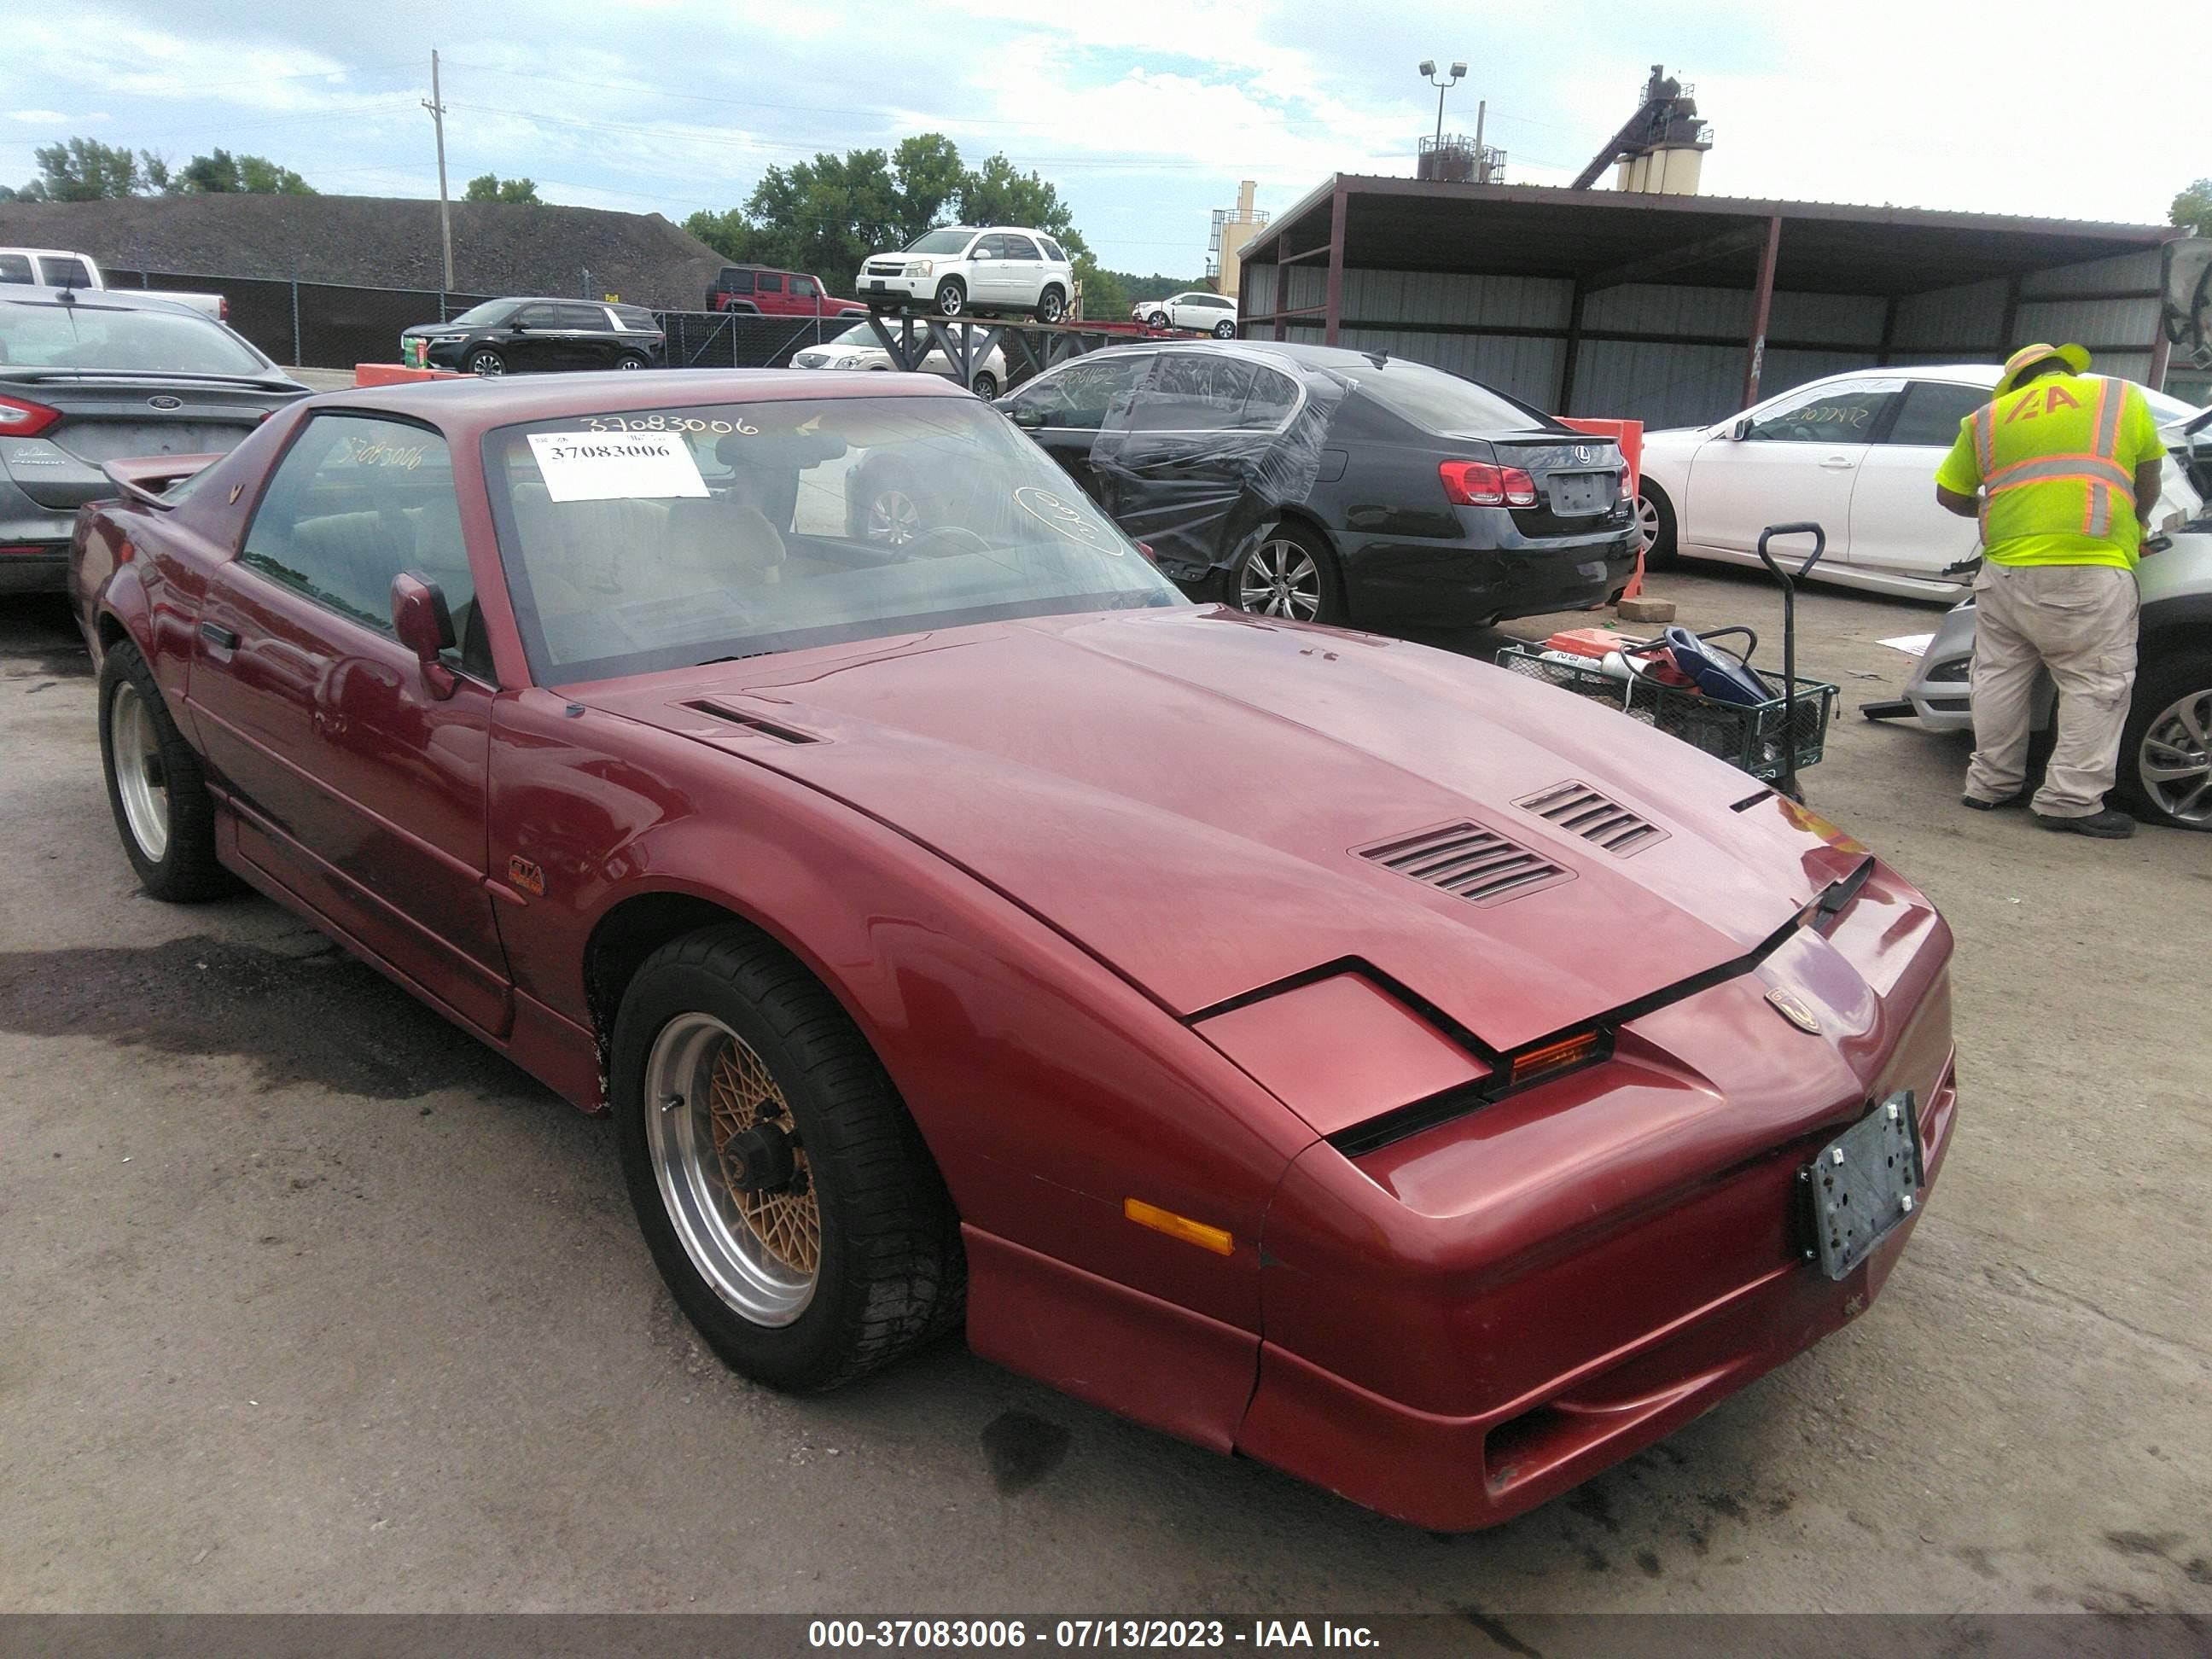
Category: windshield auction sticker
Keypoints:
(610, 466)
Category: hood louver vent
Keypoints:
(752, 722)
(1581, 811)
(1467, 861)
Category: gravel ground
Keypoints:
(307, 1303)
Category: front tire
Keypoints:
(155, 788)
(1655, 524)
(1288, 573)
(2166, 748)
(784, 1194)
(487, 362)
(951, 297)
(1158, 320)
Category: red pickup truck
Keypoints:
(772, 293)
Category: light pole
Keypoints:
(1429, 72)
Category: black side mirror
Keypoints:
(518, 326)
(425, 626)
(1028, 416)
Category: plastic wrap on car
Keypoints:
(1197, 493)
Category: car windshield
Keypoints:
(37, 335)
(940, 241)
(2166, 408)
(860, 334)
(1440, 402)
(491, 311)
(639, 542)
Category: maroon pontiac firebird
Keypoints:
(1313, 1045)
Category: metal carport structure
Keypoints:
(1681, 308)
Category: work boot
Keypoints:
(2106, 825)
(2017, 798)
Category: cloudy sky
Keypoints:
(1145, 115)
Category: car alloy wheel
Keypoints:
(986, 384)
(1647, 525)
(951, 297)
(894, 519)
(732, 1170)
(2174, 759)
(1158, 319)
(141, 784)
(489, 364)
(1224, 329)
(1050, 306)
(1278, 577)
(629, 362)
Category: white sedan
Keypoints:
(1210, 313)
(1856, 454)
(858, 347)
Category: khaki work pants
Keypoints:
(2078, 621)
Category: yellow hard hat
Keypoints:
(2075, 357)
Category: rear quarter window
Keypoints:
(15, 268)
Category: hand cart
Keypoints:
(1772, 740)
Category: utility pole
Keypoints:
(1481, 164)
(437, 108)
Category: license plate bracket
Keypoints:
(1863, 1184)
(1578, 492)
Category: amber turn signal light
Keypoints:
(1555, 1057)
(1178, 1226)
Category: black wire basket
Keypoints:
(1759, 738)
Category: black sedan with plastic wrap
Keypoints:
(89, 377)
(1322, 484)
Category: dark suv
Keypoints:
(501, 337)
(1333, 485)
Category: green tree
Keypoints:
(929, 177)
(522, 193)
(86, 170)
(222, 173)
(828, 214)
(2192, 208)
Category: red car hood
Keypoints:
(1183, 794)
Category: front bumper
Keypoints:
(895, 288)
(1464, 1324)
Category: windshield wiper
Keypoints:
(708, 662)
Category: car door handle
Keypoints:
(1838, 463)
(217, 635)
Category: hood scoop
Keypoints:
(1581, 811)
(751, 722)
(1468, 862)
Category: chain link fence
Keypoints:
(334, 325)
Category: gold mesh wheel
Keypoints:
(732, 1169)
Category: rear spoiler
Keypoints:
(145, 478)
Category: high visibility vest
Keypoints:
(2049, 458)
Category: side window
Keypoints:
(15, 268)
(1192, 391)
(771, 282)
(988, 248)
(1019, 247)
(1269, 402)
(1845, 413)
(735, 281)
(1086, 396)
(1932, 411)
(594, 318)
(538, 317)
(356, 501)
(802, 288)
(65, 273)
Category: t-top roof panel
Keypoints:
(1601, 236)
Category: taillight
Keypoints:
(21, 418)
(222, 309)
(1479, 484)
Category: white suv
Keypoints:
(1213, 314)
(960, 269)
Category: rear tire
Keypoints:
(985, 384)
(155, 788)
(2170, 699)
(731, 1064)
(1655, 517)
(631, 360)
(1052, 305)
(1288, 573)
(1224, 329)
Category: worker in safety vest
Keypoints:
(2067, 465)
